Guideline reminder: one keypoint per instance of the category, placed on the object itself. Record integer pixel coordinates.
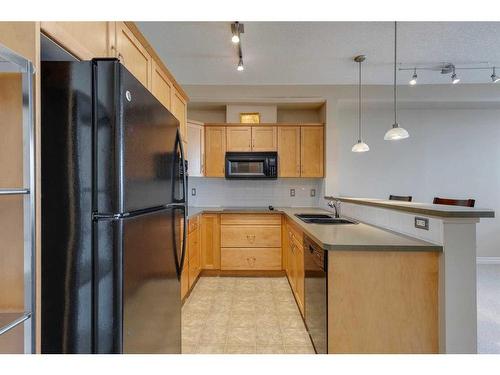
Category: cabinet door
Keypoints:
(215, 151)
(239, 138)
(161, 86)
(185, 278)
(195, 149)
(132, 54)
(210, 241)
(289, 151)
(179, 110)
(299, 278)
(264, 138)
(311, 151)
(85, 40)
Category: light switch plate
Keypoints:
(421, 223)
(313, 192)
(193, 192)
(292, 192)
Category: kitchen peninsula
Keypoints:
(453, 228)
(381, 294)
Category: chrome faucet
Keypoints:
(335, 204)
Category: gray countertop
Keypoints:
(427, 209)
(342, 237)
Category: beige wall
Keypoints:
(268, 113)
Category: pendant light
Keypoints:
(396, 132)
(360, 146)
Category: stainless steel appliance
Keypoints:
(113, 204)
(315, 294)
(251, 165)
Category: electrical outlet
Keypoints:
(193, 192)
(313, 192)
(292, 192)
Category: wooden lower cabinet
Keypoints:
(192, 263)
(250, 242)
(210, 241)
(295, 263)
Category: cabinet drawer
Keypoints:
(255, 219)
(250, 258)
(250, 236)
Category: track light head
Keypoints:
(413, 80)
(454, 77)
(494, 77)
(240, 67)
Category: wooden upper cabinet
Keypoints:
(179, 110)
(196, 148)
(264, 138)
(289, 151)
(132, 54)
(312, 151)
(215, 151)
(85, 40)
(239, 138)
(161, 86)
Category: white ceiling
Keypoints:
(321, 52)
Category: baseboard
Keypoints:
(488, 260)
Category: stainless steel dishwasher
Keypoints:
(315, 272)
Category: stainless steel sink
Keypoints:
(324, 219)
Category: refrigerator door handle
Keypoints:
(181, 169)
(179, 263)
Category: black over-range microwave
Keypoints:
(251, 165)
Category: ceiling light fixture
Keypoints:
(359, 146)
(396, 132)
(413, 80)
(454, 77)
(494, 77)
(240, 67)
(236, 29)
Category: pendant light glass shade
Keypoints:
(396, 132)
(360, 146)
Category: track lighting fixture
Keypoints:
(413, 80)
(240, 67)
(450, 68)
(396, 132)
(454, 77)
(359, 146)
(494, 77)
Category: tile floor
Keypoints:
(243, 315)
(488, 308)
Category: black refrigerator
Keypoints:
(113, 209)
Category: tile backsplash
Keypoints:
(251, 193)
